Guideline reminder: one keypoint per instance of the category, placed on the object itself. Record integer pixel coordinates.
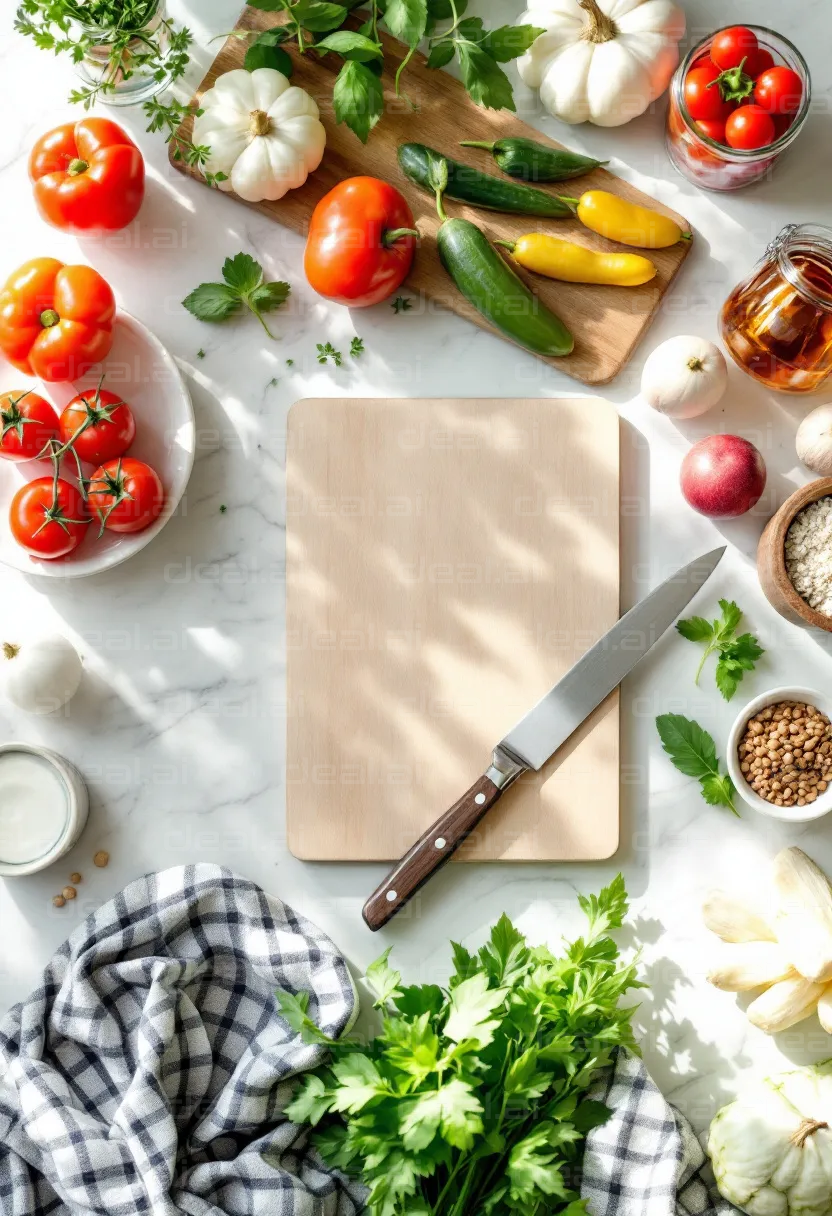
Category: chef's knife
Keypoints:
(538, 735)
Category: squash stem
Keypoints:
(477, 143)
(509, 245)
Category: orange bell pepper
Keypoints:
(56, 321)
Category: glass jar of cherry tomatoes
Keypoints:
(777, 324)
(713, 105)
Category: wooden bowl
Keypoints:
(771, 559)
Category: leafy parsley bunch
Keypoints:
(472, 1099)
(358, 98)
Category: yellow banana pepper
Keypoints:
(618, 220)
(571, 263)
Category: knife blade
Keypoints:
(540, 732)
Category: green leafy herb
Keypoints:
(736, 654)
(402, 304)
(244, 287)
(693, 752)
(223, 508)
(200, 354)
(327, 351)
(472, 1099)
(290, 363)
(357, 348)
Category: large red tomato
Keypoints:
(48, 517)
(361, 242)
(88, 176)
(56, 321)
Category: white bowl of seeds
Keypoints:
(779, 754)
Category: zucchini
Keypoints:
(468, 185)
(489, 283)
(534, 162)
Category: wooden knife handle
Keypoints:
(429, 853)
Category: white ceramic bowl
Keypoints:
(141, 370)
(799, 814)
(77, 804)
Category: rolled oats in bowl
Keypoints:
(808, 554)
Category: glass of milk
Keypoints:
(43, 808)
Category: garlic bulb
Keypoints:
(40, 676)
(684, 377)
(814, 440)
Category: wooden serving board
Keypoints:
(607, 322)
(447, 561)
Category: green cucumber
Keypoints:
(488, 282)
(534, 162)
(468, 185)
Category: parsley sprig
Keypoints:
(693, 752)
(244, 287)
(736, 654)
(473, 1097)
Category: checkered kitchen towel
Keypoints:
(645, 1160)
(148, 1072)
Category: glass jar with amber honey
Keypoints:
(777, 324)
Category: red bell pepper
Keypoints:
(88, 176)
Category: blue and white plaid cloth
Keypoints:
(148, 1073)
(645, 1160)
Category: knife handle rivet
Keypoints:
(391, 897)
(480, 799)
(440, 842)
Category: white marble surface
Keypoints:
(179, 726)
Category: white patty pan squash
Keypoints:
(263, 132)
(771, 1150)
(601, 61)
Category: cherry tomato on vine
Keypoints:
(702, 96)
(749, 127)
(48, 517)
(99, 424)
(758, 61)
(27, 423)
(126, 495)
(779, 91)
(714, 128)
(730, 46)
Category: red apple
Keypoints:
(723, 475)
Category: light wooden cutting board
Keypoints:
(607, 322)
(447, 561)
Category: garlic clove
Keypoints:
(748, 965)
(813, 440)
(804, 914)
(784, 1004)
(734, 921)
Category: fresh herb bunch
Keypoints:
(472, 1099)
(736, 654)
(318, 25)
(693, 752)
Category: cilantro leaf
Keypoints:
(293, 1008)
(735, 655)
(510, 41)
(505, 953)
(244, 287)
(471, 1005)
(356, 347)
(383, 980)
(310, 1103)
(531, 1167)
(359, 1081)
(693, 752)
(607, 910)
(358, 98)
(452, 1110)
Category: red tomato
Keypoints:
(730, 46)
(48, 518)
(99, 425)
(714, 128)
(758, 61)
(779, 90)
(56, 321)
(28, 423)
(361, 242)
(126, 495)
(702, 96)
(749, 127)
(88, 176)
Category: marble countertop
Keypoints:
(179, 724)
